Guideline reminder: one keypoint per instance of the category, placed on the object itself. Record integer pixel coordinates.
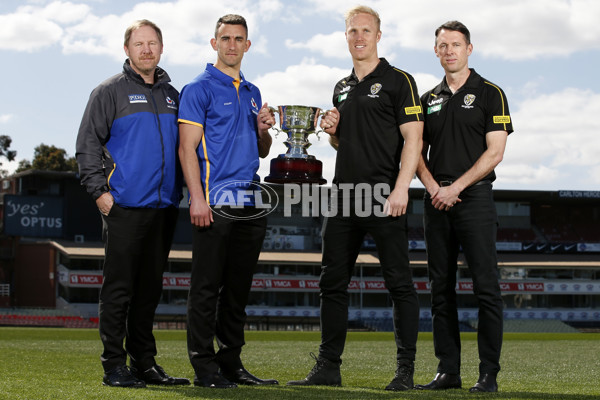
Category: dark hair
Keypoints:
(231, 19)
(138, 24)
(455, 26)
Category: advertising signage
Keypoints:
(33, 216)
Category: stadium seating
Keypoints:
(516, 235)
(566, 224)
(44, 317)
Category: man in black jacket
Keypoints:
(127, 155)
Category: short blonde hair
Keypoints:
(138, 24)
(351, 13)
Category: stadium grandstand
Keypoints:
(51, 257)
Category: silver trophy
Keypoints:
(296, 165)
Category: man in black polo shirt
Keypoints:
(466, 126)
(378, 123)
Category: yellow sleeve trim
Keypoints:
(500, 119)
(207, 180)
(185, 121)
(110, 175)
(412, 94)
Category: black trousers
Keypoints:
(223, 262)
(471, 224)
(137, 242)
(342, 239)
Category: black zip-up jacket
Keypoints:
(128, 140)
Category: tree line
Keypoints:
(45, 157)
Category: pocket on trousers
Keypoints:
(113, 210)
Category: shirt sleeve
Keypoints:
(498, 116)
(193, 104)
(408, 106)
(93, 134)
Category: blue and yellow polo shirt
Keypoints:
(227, 110)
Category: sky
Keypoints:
(542, 53)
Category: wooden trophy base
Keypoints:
(296, 170)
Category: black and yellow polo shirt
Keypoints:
(456, 124)
(371, 112)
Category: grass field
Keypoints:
(54, 363)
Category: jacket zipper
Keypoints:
(162, 144)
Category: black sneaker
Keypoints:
(122, 377)
(324, 372)
(403, 379)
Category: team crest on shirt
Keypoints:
(375, 88)
(469, 99)
(253, 103)
(171, 103)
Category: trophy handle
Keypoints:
(318, 114)
(276, 129)
(320, 130)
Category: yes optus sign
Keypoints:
(36, 216)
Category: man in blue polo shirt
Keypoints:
(223, 130)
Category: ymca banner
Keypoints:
(181, 281)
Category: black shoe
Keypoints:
(324, 372)
(122, 377)
(486, 383)
(242, 377)
(157, 376)
(403, 379)
(442, 381)
(213, 380)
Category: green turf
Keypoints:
(54, 363)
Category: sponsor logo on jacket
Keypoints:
(137, 98)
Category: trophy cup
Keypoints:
(296, 165)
